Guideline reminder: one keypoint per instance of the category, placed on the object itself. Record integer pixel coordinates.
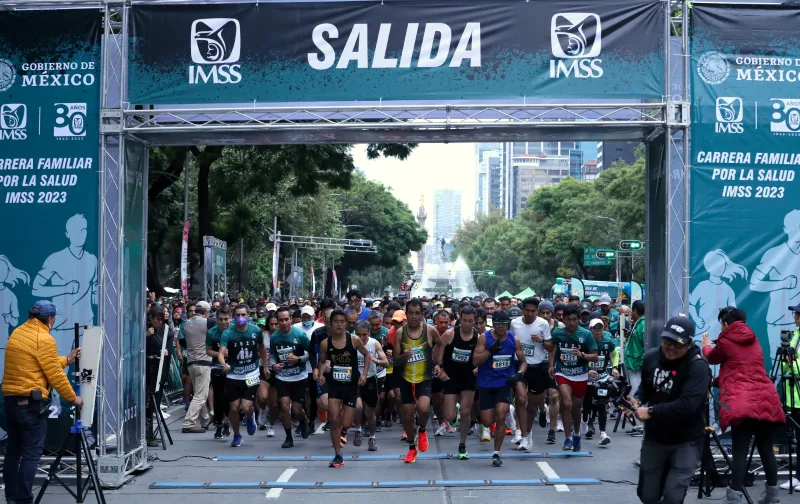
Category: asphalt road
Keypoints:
(192, 459)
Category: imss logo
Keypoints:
(216, 45)
(576, 38)
(730, 112)
(13, 121)
(785, 120)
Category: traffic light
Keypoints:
(630, 245)
(606, 254)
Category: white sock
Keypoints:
(584, 428)
(497, 453)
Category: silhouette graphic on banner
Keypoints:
(710, 296)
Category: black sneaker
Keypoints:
(305, 430)
(312, 427)
(337, 461)
(551, 437)
(226, 430)
(218, 432)
(590, 432)
(542, 419)
(462, 452)
(326, 427)
(299, 429)
(289, 443)
(497, 461)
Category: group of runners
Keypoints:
(360, 369)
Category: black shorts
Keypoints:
(369, 392)
(345, 392)
(393, 381)
(238, 389)
(490, 397)
(537, 376)
(409, 392)
(457, 384)
(382, 381)
(294, 390)
(437, 386)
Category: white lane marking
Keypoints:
(550, 473)
(274, 493)
(319, 429)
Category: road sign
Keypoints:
(490, 273)
(597, 262)
(630, 245)
(410, 272)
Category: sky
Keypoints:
(430, 167)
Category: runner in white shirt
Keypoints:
(531, 331)
(368, 393)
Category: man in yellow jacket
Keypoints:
(32, 366)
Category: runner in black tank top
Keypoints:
(342, 378)
(456, 368)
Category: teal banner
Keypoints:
(396, 50)
(49, 165)
(745, 195)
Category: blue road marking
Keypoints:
(234, 458)
(289, 484)
(173, 485)
(418, 483)
(244, 484)
(521, 482)
(368, 458)
(176, 485)
(453, 483)
(572, 481)
(346, 484)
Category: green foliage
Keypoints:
(547, 238)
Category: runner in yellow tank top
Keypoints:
(413, 352)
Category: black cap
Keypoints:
(586, 308)
(679, 329)
(795, 308)
(501, 317)
(514, 312)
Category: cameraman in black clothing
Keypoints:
(671, 402)
(157, 330)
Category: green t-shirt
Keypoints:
(243, 357)
(213, 339)
(567, 365)
(281, 345)
(605, 349)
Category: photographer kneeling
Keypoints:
(671, 402)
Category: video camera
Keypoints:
(786, 338)
(616, 391)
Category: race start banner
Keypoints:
(49, 166)
(745, 194)
(396, 50)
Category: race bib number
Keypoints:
(252, 381)
(461, 355)
(566, 356)
(528, 350)
(284, 353)
(501, 362)
(342, 373)
(602, 392)
(417, 355)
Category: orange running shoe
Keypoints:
(404, 437)
(494, 426)
(509, 432)
(422, 441)
(323, 416)
(411, 457)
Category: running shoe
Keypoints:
(326, 427)
(604, 439)
(305, 430)
(312, 427)
(237, 441)
(525, 444)
(485, 437)
(497, 461)
(289, 443)
(337, 461)
(472, 429)
(372, 444)
(218, 432)
(357, 438)
(567, 444)
(270, 431)
(422, 441)
(560, 427)
(226, 430)
(590, 431)
(462, 452)
(404, 437)
(299, 430)
(576, 443)
(263, 426)
(262, 417)
(449, 428)
(251, 425)
(343, 438)
(439, 430)
(542, 418)
(411, 456)
(517, 437)
(551, 437)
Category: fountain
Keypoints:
(440, 278)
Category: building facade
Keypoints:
(610, 152)
(446, 214)
(529, 166)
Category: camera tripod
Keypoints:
(710, 477)
(77, 436)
